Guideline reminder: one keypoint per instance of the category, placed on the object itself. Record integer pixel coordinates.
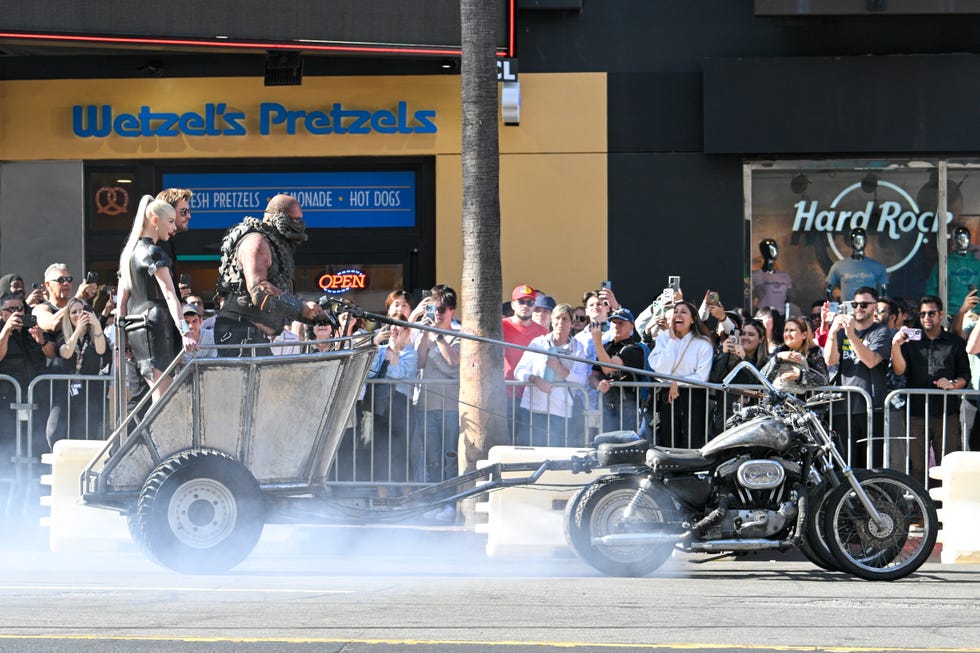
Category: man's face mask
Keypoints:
(288, 228)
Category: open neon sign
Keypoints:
(337, 283)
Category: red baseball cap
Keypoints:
(523, 291)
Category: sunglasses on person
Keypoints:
(14, 309)
(814, 316)
(62, 280)
(928, 313)
(861, 304)
(581, 318)
(526, 302)
(442, 309)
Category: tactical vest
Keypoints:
(231, 277)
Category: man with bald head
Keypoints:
(256, 277)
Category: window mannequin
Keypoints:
(849, 274)
(770, 287)
(962, 271)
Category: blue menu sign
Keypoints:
(330, 199)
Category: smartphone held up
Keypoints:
(912, 334)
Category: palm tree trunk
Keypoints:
(482, 411)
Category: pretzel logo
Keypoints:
(111, 200)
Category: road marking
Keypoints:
(461, 642)
(106, 588)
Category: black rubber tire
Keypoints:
(598, 511)
(572, 506)
(200, 511)
(894, 551)
(814, 545)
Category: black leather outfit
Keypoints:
(156, 344)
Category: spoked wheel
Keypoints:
(814, 545)
(572, 506)
(893, 548)
(200, 511)
(620, 505)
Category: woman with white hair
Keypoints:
(147, 288)
(551, 405)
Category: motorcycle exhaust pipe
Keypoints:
(630, 539)
(713, 546)
(721, 546)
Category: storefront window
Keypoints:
(113, 197)
(815, 218)
(365, 284)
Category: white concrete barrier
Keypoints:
(960, 512)
(73, 525)
(528, 520)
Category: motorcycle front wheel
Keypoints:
(814, 544)
(889, 550)
(621, 506)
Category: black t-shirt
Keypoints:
(85, 360)
(855, 373)
(631, 355)
(24, 360)
(929, 360)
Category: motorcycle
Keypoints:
(772, 480)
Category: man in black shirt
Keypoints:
(180, 199)
(619, 407)
(861, 349)
(938, 360)
(23, 349)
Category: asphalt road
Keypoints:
(436, 592)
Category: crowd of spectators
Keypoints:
(406, 429)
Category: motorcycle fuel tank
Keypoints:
(759, 432)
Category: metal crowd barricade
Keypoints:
(13, 417)
(392, 433)
(900, 414)
(663, 428)
(390, 436)
(81, 400)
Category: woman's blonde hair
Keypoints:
(148, 207)
(563, 309)
(67, 328)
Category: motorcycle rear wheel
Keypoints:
(887, 551)
(620, 505)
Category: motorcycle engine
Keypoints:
(761, 507)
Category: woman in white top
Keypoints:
(551, 406)
(685, 351)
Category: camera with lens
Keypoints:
(329, 306)
(29, 321)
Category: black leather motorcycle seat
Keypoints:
(615, 437)
(620, 448)
(679, 460)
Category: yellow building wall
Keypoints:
(553, 185)
(553, 212)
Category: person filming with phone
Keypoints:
(930, 358)
(23, 355)
(860, 348)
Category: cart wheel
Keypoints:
(200, 511)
